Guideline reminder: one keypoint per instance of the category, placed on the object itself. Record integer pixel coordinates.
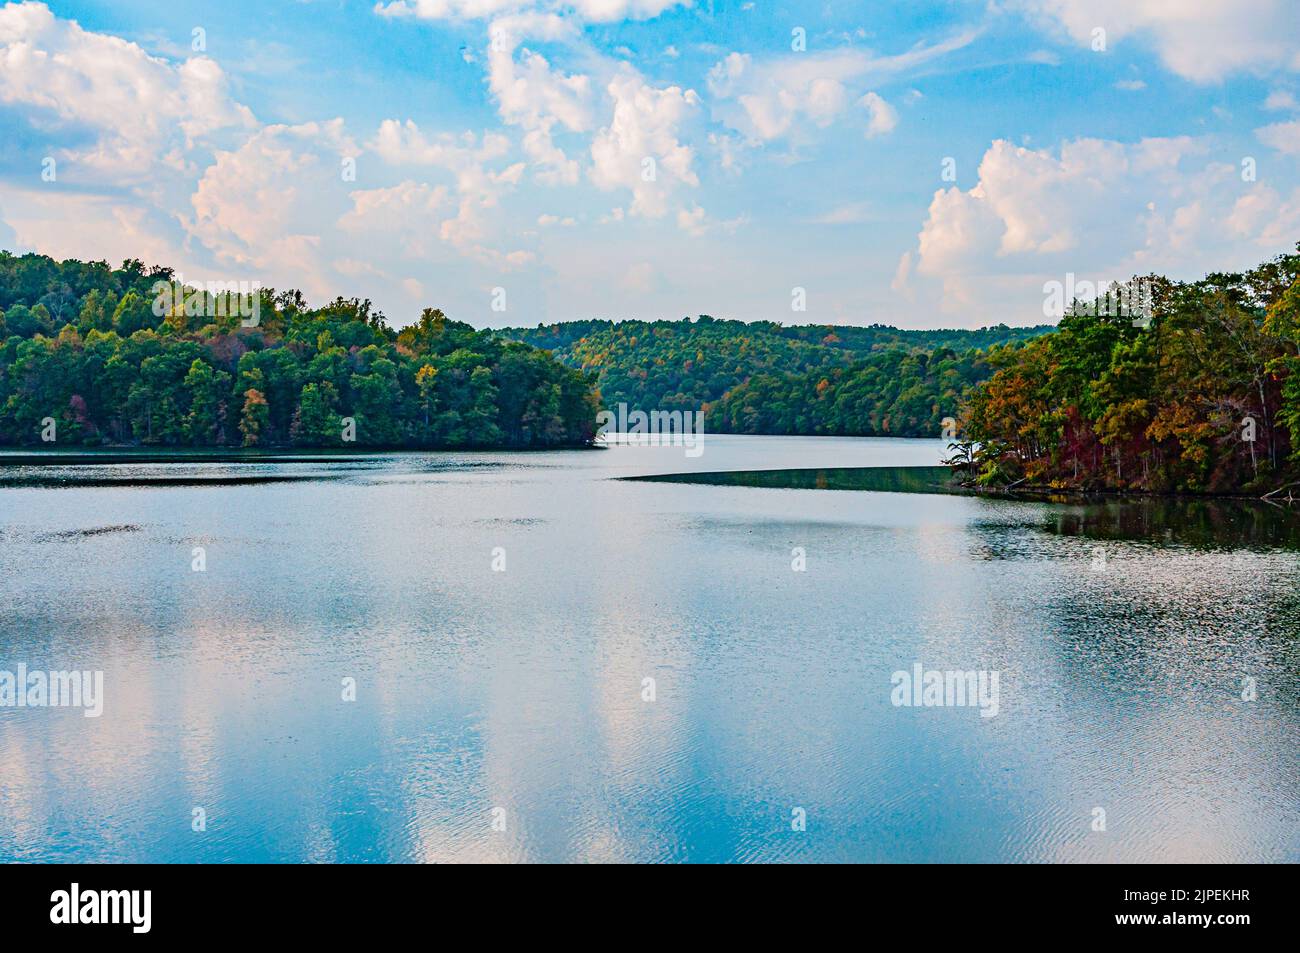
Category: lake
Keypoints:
(525, 657)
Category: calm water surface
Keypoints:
(1120, 687)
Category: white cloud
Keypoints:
(66, 224)
(479, 188)
(593, 11)
(883, 117)
(447, 9)
(189, 178)
(356, 268)
(465, 154)
(1263, 217)
(781, 96)
(120, 114)
(692, 220)
(1102, 209)
(532, 95)
(902, 276)
(774, 97)
(1281, 99)
(612, 11)
(404, 144)
(1203, 41)
(727, 149)
(409, 208)
(1282, 136)
(639, 149)
(253, 206)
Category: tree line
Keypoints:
(766, 378)
(101, 356)
(892, 393)
(1200, 395)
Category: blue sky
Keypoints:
(652, 158)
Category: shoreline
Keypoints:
(119, 455)
(1071, 495)
(15, 457)
(924, 480)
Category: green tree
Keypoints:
(205, 423)
(316, 424)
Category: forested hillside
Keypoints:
(1204, 398)
(890, 393)
(91, 355)
(764, 377)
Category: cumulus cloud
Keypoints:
(633, 125)
(131, 132)
(902, 275)
(252, 205)
(882, 117)
(534, 96)
(411, 209)
(82, 225)
(479, 187)
(775, 97)
(120, 114)
(611, 11)
(639, 149)
(692, 220)
(447, 9)
(1281, 99)
(593, 11)
(1266, 218)
(1102, 209)
(1282, 136)
(1202, 41)
(404, 144)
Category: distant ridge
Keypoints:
(765, 377)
